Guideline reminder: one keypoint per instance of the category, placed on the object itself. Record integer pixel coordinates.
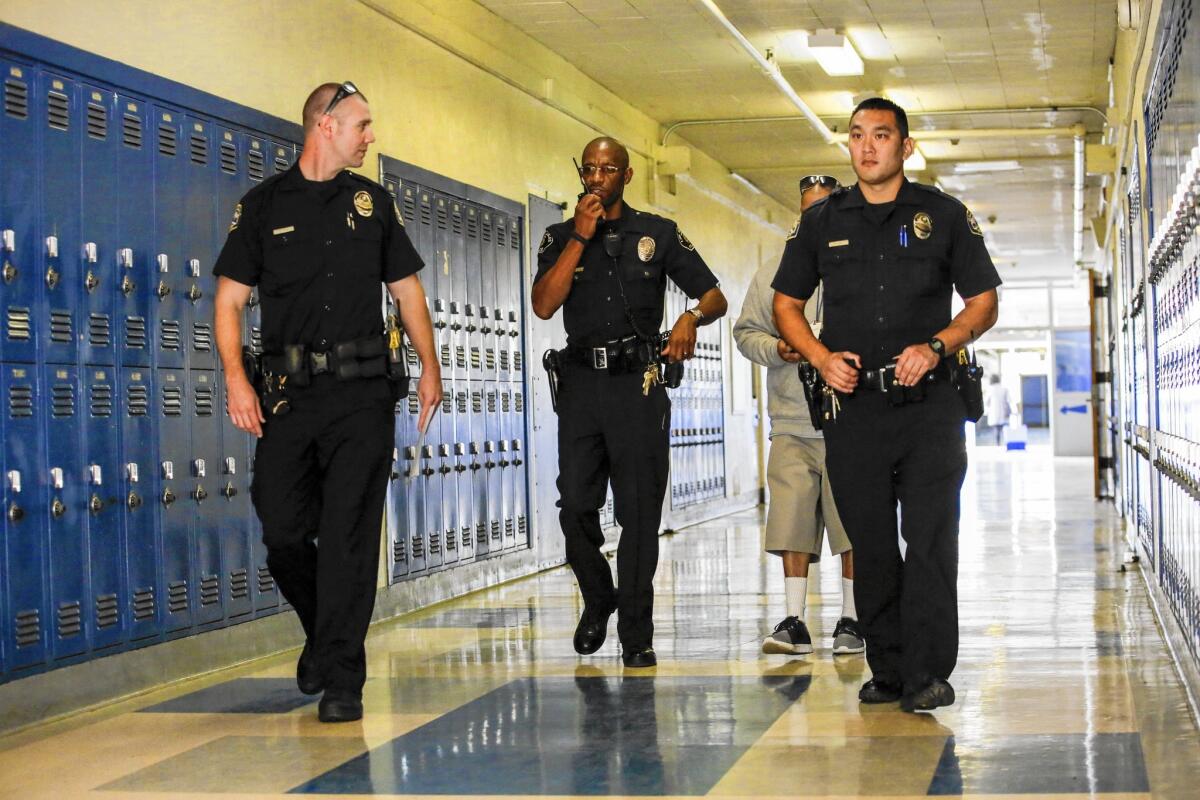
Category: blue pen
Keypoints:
(904, 235)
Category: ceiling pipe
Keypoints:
(772, 71)
(987, 133)
(1080, 177)
(816, 167)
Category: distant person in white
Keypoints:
(997, 407)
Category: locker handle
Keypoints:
(513, 333)
(517, 462)
(194, 293)
(15, 513)
(229, 491)
(52, 246)
(52, 277)
(456, 326)
(8, 240)
(168, 497)
(474, 466)
(10, 272)
(471, 327)
(427, 472)
(133, 500)
(441, 323)
(163, 290)
(445, 470)
(95, 505)
(485, 328)
(57, 508)
(127, 286)
(199, 494)
(253, 301)
(489, 465)
(504, 462)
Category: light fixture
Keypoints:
(834, 53)
(966, 167)
(915, 162)
(742, 180)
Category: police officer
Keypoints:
(889, 252)
(607, 269)
(319, 242)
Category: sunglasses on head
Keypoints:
(809, 181)
(345, 90)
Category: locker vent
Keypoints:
(168, 142)
(460, 402)
(172, 401)
(480, 533)
(70, 619)
(500, 235)
(135, 333)
(476, 358)
(256, 345)
(18, 324)
(60, 326)
(450, 539)
(445, 351)
(435, 541)
(28, 628)
(239, 583)
(210, 590)
(517, 361)
(476, 402)
(414, 405)
(97, 121)
(508, 528)
(198, 148)
(204, 401)
(505, 401)
(257, 165)
(16, 98)
(495, 529)
(456, 222)
(514, 238)
(490, 359)
(131, 131)
(228, 158)
(418, 547)
(137, 400)
(58, 110)
(20, 401)
(143, 603)
(62, 400)
(504, 360)
(441, 217)
(487, 230)
(425, 213)
(447, 403)
(472, 227)
(408, 207)
(266, 583)
(522, 526)
(101, 403)
(399, 553)
(202, 337)
(519, 402)
(108, 612)
(99, 330)
(169, 334)
(411, 354)
(460, 356)
(177, 596)
(491, 402)
(281, 163)
(465, 534)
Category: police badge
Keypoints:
(922, 225)
(645, 248)
(363, 203)
(972, 224)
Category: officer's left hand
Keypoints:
(682, 343)
(914, 362)
(429, 391)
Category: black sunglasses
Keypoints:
(809, 181)
(345, 90)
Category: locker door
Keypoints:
(491, 466)
(26, 623)
(108, 623)
(265, 593)
(283, 155)
(477, 472)
(133, 279)
(487, 302)
(474, 295)
(255, 171)
(457, 263)
(169, 269)
(139, 465)
(462, 474)
(520, 468)
(513, 305)
(200, 243)
(58, 100)
(101, 149)
(504, 463)
(432, 461)
(440, 265)
(500, 327)
(233, 511)
(21, 286)
(407, 199)
(68, 511)
(172, 496)
(414, 486)
(448, 456)
(396, 518)
(203, 495)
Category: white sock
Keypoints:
(848, 609)
(796, 591)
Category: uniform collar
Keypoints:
(294, 180)
(907, 196)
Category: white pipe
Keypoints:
(985, 133)
(1080, 178)
(772, 71)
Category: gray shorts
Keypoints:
(801, 503)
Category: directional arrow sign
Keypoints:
(1080, 409)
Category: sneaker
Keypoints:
(789, 638)
(847, 638)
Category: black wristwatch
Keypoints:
(575, 235)
(937, 346)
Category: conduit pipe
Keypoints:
(987, 133)
(1080, 177)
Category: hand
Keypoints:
(682, 343)
(786, 352)
(588, 213)
(429, 391)
(914, 362)
(244, 408)
(837, 371)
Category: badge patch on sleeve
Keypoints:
(683, 241)
(363, 203)
(795, 230)
(399, 216)
(237, 217)
(972, 223)
(547, 240)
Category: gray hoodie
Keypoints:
(758, 340)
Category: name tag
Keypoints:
(840, 243)
(290, 228)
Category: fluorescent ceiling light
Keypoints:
(834, 53)
(965, 167)
(745, 183)
(915, 162)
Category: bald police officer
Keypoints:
(607, 269)
(889, 252)
(319, 242)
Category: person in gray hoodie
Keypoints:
(801, 503)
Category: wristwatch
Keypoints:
(697, 313)
(937, 346)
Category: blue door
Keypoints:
(139, 505)
(101, 145)
(68, 510)
(134, 278)
(62, 250)
(21, 286)
(169, 265)
(203, 500)
(175, 504)
(108, 615)
(201, 244)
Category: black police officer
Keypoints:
(320, 242)
(889, 253)
(607, 269)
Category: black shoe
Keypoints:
(308, 678)
(641, 657)
(591, 631)
(880, 690)
(790, 637)
(934, 694)
(340, 706)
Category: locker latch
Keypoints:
(469, 310)
(133, 500)
(56, 477)
(127, 285)
(168, 497)
(95, 475)
(15, 513)
(125, 257)
(163, 290)
(230, 465)
(229, 491)
(199, 468)
(253, 301)
(89, 256)
(164, 266)
(199, 494)
(194, 293)
(52, 275)
(57, 509)
(516, 446)
(168, 470)
(52, 247)
(483, 315)
(131, 472)
(14, 480)
(504, 462)
(8, 241)
(95, 504)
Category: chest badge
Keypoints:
(363, 204)
(922, 225)
(645, 248)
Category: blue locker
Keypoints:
(443, 286)
(504, 446)
(144, 545)
(492, 468)
(108, 615)
(519, 467)
(432, 461)
(418, 546)
(514, 303)
(21, 286)
(134, 277)
(200, 243)
(101, 277)
(487, 301)
(68, 510)
(407, 198)
(457, 294)
(408, 549)
(62, 251)
(233, 512)
(264, 591)
(203, 496)
(474, 295)
(396, 514)
(477, 472)
(283, 155)
(446, 457)
(500, 311)
(175, 506)
(26, 625)
(255, 170)
(464, 534)
(170, 262)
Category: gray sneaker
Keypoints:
(847, 638)
(789, 638)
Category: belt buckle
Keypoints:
(887, 377)
(600, 357)
(320, 363)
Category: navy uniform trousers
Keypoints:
(915, 454)
(320, 480)
(608, 430)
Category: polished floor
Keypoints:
(1064, 688)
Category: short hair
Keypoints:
(883, 104)
(621, 153)
(314, 106)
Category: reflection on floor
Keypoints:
(1064, 688)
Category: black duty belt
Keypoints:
(606, 356)
(881, 380)
(360, 358)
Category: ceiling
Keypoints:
(673, 60)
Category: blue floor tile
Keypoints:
(239, 696)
